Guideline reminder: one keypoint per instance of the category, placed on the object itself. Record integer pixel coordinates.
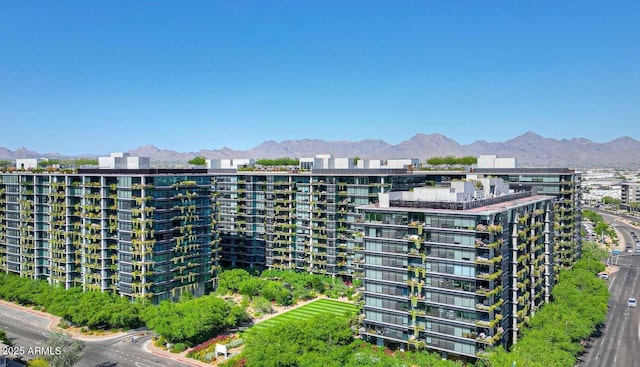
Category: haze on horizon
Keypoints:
(100, 77)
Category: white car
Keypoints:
(631, 302)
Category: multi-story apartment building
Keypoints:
(303, 217)
(83, 228)
(564, 184)
(300, 219)
(139, 231)
(455, 273)
(630, 195)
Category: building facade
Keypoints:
(630, 194)
(455, 277)
(299, 220)
(305, 219)
(565, 185)
(157, 233)
(139, 232)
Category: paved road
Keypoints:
(30, 331)
(619, 343)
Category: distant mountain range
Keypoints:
(531, 150)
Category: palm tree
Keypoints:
(64, 353)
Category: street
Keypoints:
(29, 331)
(619, 341)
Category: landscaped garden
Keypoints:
(270, 292)
(309, 310)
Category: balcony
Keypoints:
(486, 261)
(490, 276)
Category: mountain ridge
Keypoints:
(529, 148)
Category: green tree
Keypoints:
(232, 279)
(194, 320)
(275, 291)
(198, 161)
(611, 201)
(554, 334)
(83, 161)
(313, 342)
(592, 216)
(251, 287)
(274, 346)
(237, 315)
(50, 162)
(278, 162)
(363, 354)
(452, 161)
(66, 353)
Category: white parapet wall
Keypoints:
(123, 161)
(491, 161)
(27, 163)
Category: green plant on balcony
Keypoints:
(414, 301)
(494, 228)
(417, 241)
(413, 314)
(522, 234)
(496, 244)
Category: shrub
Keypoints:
(3, 338)
(179, 348)
(38, 362)
(160, 342)
(235, 343)
(204, 350)
(262, 305)
(210, 357)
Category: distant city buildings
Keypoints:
(598, 184)
(454, 261)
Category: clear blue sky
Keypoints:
(99, 76)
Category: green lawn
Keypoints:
(308, 310)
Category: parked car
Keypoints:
(631, 302)
(604, 275)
